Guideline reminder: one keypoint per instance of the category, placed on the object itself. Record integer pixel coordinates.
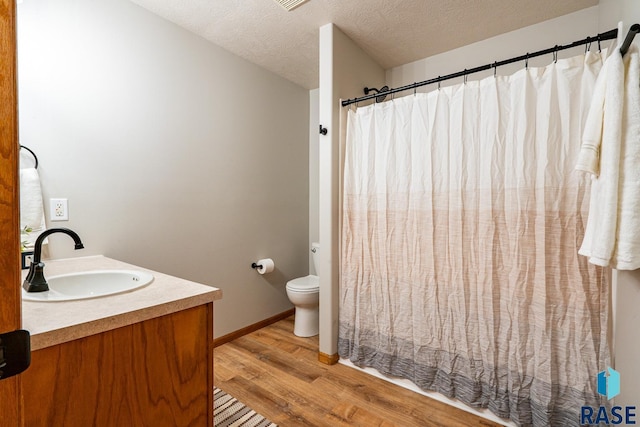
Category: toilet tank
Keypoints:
(315, 248)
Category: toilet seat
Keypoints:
(308, 284)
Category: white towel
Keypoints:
(610, 152)
(627, 250)
(31, 206)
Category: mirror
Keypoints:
(32, 220)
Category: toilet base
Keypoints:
(306, 322)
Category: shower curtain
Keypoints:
(462, 219)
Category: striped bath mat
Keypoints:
(229, 412)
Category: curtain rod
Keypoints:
(608, 35)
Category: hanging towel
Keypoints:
(627, 251)
(610, 152)
(31, 206)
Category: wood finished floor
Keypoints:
(278, 375)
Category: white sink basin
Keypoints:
(89, 284)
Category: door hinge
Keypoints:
(15, 353)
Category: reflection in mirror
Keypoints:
(32, 221)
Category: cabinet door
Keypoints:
(155, 373)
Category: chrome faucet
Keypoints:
(35, 281)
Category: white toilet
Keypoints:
(304, 294)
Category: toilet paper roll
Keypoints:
(266, 266)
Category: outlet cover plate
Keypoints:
(58, 210)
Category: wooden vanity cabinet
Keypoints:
(155, 373)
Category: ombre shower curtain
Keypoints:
(462, 219)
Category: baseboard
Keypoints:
(252, 328)
(328, 359)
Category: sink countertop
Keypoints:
(52, 323)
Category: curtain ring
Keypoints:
(526, 62)
(439, 82)
(587, 45)
(495, 69)
(599, 47)
(464, 77)
(555, 54)
(414, 88)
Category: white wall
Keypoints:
(314, 190)
(344, 71)
(562, 30)
(626, 283)
(174, 154)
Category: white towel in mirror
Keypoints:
(31, 206)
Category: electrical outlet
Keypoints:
(59, 210)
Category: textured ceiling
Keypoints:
(392, 32)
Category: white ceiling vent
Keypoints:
(290, 4)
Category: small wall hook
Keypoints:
(323, 131)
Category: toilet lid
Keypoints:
(308, 283)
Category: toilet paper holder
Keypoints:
(263, 266)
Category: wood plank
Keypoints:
(278, 375)
(357, 416)
(402, 406)
(280, 335)
(154, 373)
(285, 398)
(10, 303)
(281, 404)
(284, 362)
